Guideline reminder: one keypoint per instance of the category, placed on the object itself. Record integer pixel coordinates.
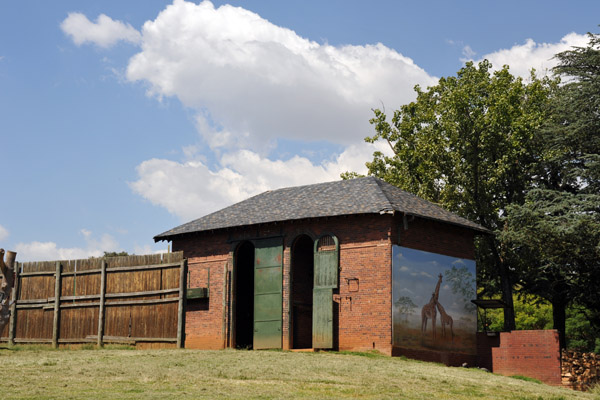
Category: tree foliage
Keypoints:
(531, 312)
(470, 144)
(115, 254)
(554, 236)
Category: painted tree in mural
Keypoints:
(468, 143)
(462, 282)
(405, 306)
(7, 273)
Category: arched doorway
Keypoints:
(244, 295)
(302, 270)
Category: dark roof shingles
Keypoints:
(356, 196)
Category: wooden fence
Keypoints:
(133, 300)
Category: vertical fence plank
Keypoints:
(180, 308)
(101, 310)
(55, 323)
(13, 308)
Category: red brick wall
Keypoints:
(363, 302)
(435, 237)
(204, 318)
(535, 354)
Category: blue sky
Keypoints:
(117, 128)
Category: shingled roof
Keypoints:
(367, 195)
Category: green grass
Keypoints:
(41, 373)
(526, 378)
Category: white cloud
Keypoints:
(468, 52)
(192, 189)
(522, 57)
(105, 32)
(251, 81)
(86, 233)
(3, 233)
(147, 249)
(46, 251)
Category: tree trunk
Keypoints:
(507, 292)
(507, 297)
(8, 281)
(559, 316)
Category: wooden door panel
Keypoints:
(268, 266)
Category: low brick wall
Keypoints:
(535, 354)
(580, 371)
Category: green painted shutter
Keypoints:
(325, 280)
(268, 266)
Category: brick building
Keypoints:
(348, 265)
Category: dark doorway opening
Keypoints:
(302, 292)
(244, 296)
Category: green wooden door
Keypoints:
(268, 266)
(326, 256)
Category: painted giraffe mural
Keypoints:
(429, 310)
(446, 322)
(445, 319)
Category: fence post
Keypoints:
(101, 310)
(55, 324)
(180, 308)
(13, 308)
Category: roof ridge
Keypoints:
(390, 204)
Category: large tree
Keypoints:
(554, 241)
(555, 234)
(469, 143)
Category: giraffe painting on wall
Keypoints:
(428, 310)
(435, 284)
(445, 319)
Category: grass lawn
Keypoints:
(41, 373)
